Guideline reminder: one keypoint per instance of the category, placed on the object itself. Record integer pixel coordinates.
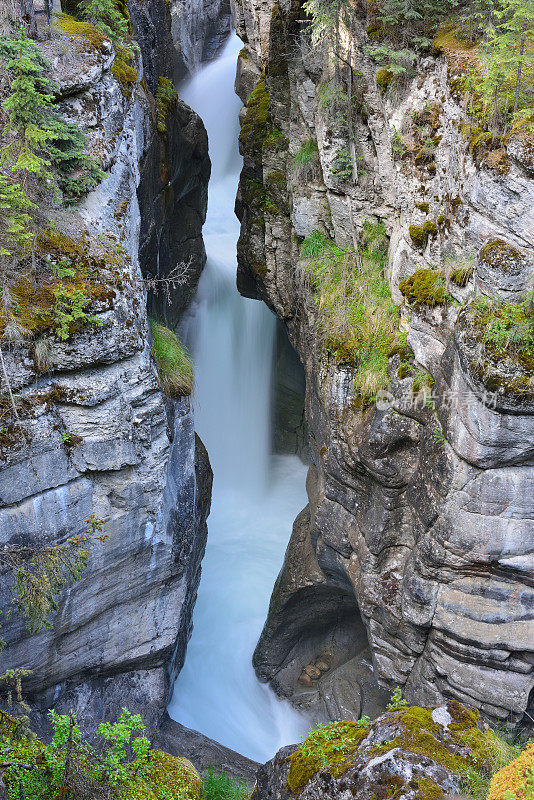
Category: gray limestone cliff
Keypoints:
(96, 434)
(413, 562)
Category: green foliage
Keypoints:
(166, 98)
(398, 145)
(173, 363)
(323, 16)
(40, 574)
(342, 166)
(357, 318)
(461, 276)
(326, 747)
(16, 235)
(69, 310)
(507, 327)
(396, 701)
(42, 149)
(222, 786)
(106, 17)
(305, 160)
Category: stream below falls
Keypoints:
(256, 495)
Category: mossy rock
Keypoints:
(424, 207)
(496, 340)
(327, 747)
(424, 287)
(125, 75)
(255, 127)
(83, 30)
(501, 255)
(430, 228)
(504, 271)
(516, 780)
(413, 752)
(418, 235)
(165, 778)
(166, 98)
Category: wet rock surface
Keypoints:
(205, 753)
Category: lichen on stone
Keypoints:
(501, 255)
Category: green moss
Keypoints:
(166, 98)
(424, 287)
(501, 255)
(384, 76)
(329, 747)
(83, 30)
(441, 219)
(255, 127)
(428, 790)
(403, 371)
(502, 334)
(166, 777)
(423, 207)
(418, 235)
(430, 228)
(123, 72)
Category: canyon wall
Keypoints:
(96, 435)
(418, 537)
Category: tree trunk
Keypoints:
(520, 65)
(27, 15)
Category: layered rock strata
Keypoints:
(97, 436)
(420, 516)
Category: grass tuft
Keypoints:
(358, 319)
(222, 786)
(173, 363)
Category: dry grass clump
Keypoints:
(175, 369)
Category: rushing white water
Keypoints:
(255, 496)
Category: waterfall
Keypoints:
(255, 496)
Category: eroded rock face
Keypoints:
(416, 753)
(175, 167)
(199, 29)
(420, 516)
(98, 437)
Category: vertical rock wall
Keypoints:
(97, 436)
(429, 540)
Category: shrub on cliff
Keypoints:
(119, 765)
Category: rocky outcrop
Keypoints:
(97, 436)
(411, 753)
(205, 753)
(199, 28)
(420, 517)
(175, 169)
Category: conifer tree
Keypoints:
(105, 15)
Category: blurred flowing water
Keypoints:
(256, 496)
